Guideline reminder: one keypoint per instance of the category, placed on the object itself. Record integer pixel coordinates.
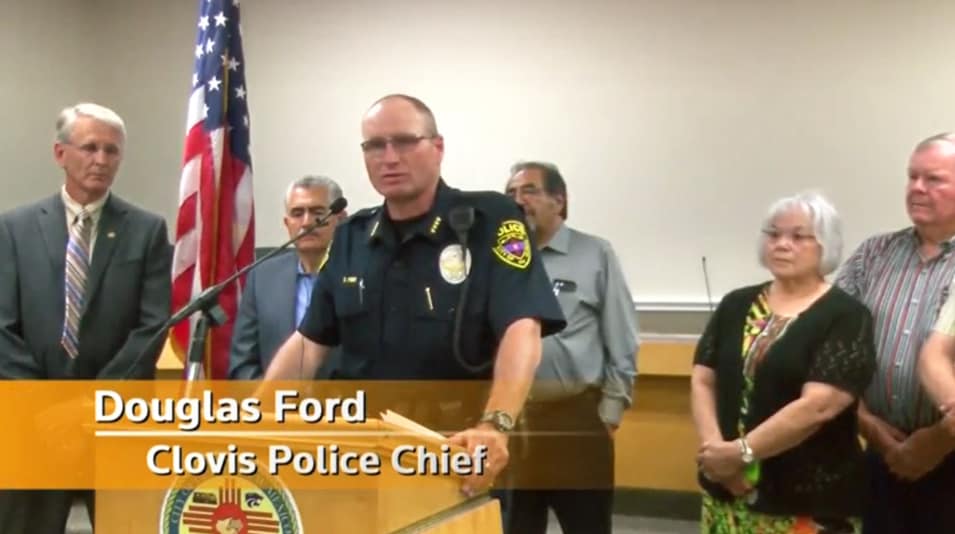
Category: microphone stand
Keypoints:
(207, 303)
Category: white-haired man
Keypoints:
(904, 277)
(84, 285)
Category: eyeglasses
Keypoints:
(524, 190)
(401, 143)
(312, 211)
(797, 238)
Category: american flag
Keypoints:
(215, 228)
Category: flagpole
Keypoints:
(212, 232)
(208, 352)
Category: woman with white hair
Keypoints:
(776, 380)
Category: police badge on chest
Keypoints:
(454, 264)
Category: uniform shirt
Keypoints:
(904, 293)
(390, 301)
(597, 349)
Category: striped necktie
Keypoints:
(77, 267)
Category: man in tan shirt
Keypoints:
(937, 362)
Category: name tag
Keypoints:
(564, 286)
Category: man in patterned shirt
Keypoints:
(904, 277)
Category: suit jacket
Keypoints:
(266, 318)
(128, 293)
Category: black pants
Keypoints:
(569, 471)
(40, 511)
(925, 506)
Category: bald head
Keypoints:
(403, 153)
(945, 140)
(399, 101)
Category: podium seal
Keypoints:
(254, 504)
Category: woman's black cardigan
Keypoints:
(832, 342)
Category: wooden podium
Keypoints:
(387, 506)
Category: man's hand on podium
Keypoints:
(497, 456)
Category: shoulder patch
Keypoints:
(512, 245)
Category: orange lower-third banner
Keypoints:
(151, 435)
(303, 435)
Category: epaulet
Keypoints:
(362, 214)
(488, 201)
(483, 195)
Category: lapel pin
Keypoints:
(111, 235)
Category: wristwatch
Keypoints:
(501, 421)
(746, 453)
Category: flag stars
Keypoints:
(204, 22)
(199, 51)
(221, 19)
(214, 84)
(240, 92)
(230, 62)
(195, 79)
(245, 121)
(210, 46)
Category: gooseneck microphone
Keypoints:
(207, 302)
(706, 280)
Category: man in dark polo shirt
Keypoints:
(435, 284)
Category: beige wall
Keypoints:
(675, 122)
(45, 64)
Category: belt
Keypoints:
(552, 401)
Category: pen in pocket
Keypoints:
(427, 293)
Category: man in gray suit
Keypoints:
(84, 285)
(278, 291)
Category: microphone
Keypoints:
(212, 293)
(337, 207)
(461, 219)
(706, 280)
(208, 301)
